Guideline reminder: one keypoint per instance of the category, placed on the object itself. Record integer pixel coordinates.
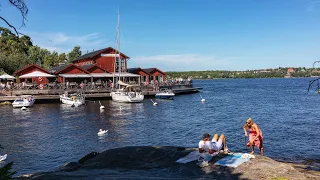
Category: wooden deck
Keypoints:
(90, 94)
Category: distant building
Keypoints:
(290, 70)
(289, 73)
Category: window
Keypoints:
(122, 64)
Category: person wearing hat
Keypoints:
(213, 146)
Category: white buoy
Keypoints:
(101, 107)
(202, 99)
(102, 132)
(23, 108)
(154, 103)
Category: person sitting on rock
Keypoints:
(255, 136)
(214, 146)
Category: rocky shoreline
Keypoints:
(158, 162)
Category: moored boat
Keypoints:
(23, 101)
(72, 99)
(165, 94)
(127, 94)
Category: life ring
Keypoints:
(41, 86)
(40, 79)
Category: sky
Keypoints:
(180, 35)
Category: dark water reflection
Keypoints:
(49, 135)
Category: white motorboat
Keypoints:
(127, 94)
(23, 101)
(165, 94)
(72, 99)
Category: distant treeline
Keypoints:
(262, 73)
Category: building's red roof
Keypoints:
(150, 70)
(134, 70)
(95, 53)
(31, 65)
(71, 65)
(291, 70)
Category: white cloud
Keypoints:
(182, 62)
(61, 42)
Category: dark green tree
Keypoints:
(62, 57)
(50, 59)
(75, 53)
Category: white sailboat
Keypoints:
(72, 99)
(129, 93)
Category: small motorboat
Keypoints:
(165, 94)
(102, 132)
(4, 157)
(23, 101)
(72, 99)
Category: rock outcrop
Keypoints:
(159, 163)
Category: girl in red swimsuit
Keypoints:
(255, 136)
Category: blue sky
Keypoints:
(181, 35)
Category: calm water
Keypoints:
(49, 135)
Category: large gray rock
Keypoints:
(159, 163)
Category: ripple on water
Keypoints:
(46, 136)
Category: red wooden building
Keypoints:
(32, 68)
(145, 76)
(103, 58)
(93, 68)
(155, 74)
(70, 72)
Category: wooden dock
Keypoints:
(53, 95)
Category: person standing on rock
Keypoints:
(255, 136)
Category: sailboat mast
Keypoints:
(117, 51)
(118, 44)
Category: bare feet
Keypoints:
(252, 152)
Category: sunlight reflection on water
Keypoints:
(48, 135)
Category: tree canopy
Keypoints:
(75, 53)
(17, 52)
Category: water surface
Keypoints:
(48, 135)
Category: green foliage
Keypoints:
(267, 73)
(10, 63)
(50, 59)
(75, 53)
(5, 172)
(17, 52)
(62, 57)
(35, 55)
